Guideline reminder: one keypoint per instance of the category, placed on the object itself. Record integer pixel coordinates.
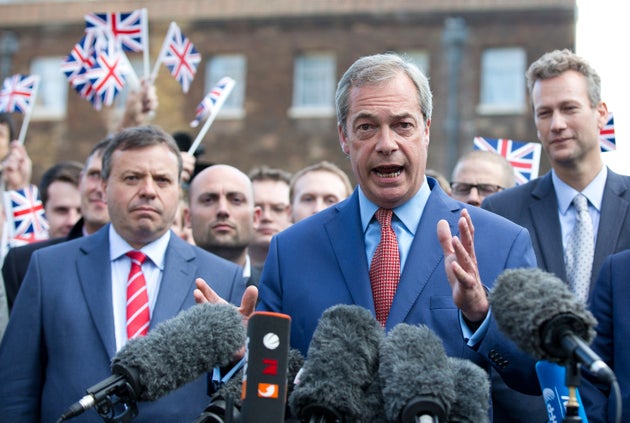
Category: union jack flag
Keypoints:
(107, 76)
(81, 57)
(213, 101)
(180, 56)
(523, 156)
(25, 214)
(127, 28)
(607, 135)
(17, 93)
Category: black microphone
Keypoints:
(339, 378)
(472, 392)
(545, 319)
(415, 375)
(176, 352)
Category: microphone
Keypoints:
(545, 319)
(472, 392)
(265, 379)
(339, 379)
(176, 352)
(415, 374)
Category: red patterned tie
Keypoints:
(385, 267)
(138, 315)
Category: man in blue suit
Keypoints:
(610, 301)
(69, 318)
(384, 113)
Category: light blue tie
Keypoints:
(579, 250)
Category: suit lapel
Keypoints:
(179, 269)
(346, 237)
(614, 209)
(544, 215)
(95, 279)
(425, 254)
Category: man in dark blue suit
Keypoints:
(447, 266)
(610, 301)
(569, 113)
(69, 316)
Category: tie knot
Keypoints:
(580, 203)
(137, 256)
(384, 217)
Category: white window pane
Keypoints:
(234, 66)
(503, 77)
(52, 95)
(314, 81)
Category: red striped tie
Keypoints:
(385, 267)
(138, 315)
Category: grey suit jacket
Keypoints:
(534, 206)
(60, 339)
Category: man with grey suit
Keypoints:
(72, 314)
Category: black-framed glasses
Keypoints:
(462, 188)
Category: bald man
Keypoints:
(222, 215)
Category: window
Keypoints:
(502, 81)
(234, 66)
(314, 86)
(52, 94)
(419, 57)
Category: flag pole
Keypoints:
(145, 41)
(27, 115)
(156, 67)
(213, 114)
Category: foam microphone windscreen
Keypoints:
(181, 349)
(531, 306)
(341, 367)
(472, 392)
(414, 366)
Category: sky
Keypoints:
(602, 32)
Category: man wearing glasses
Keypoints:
(479, 174)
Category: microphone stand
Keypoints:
(572, 380)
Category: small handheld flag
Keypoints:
(25, 213)
(180, 56)
(209, 108)
(18, 95)
(607, 135)
(523, 156)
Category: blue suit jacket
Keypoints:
(321, 261)
(610, 302)
(60, 339)
(534, 206)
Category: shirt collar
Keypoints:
(408, 213)
(155, 250)
(594, 191)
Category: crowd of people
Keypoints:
(299, 243)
